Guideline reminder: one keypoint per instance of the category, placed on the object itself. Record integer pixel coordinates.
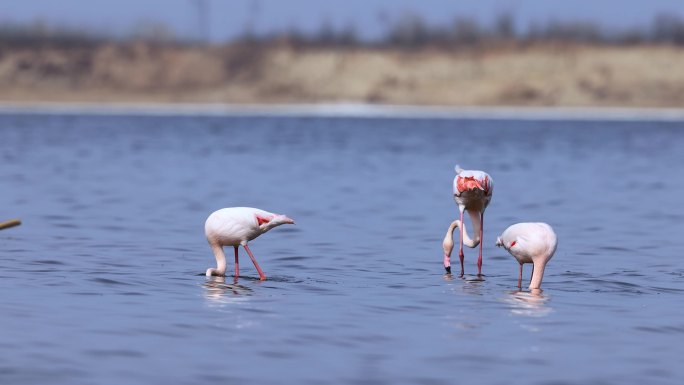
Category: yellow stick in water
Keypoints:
(10, 223)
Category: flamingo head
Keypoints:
(282, 220)
(215, 272)
(267, 223)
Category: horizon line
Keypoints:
(347, 110)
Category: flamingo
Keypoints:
(472, 192)
(530, 243)
(235, 226)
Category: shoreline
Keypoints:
(347, 110)
(219, 79)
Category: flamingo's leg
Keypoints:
(520, 277)
(237, 263)
(262, 276)
(479, 259)
(460, 249)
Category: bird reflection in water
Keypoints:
(218, 292)
(464, 278)
(471, 285)
(531, 303)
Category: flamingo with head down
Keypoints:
(533, 243)
(236, 226)
(472, 192)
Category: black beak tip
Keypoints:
(448, 269)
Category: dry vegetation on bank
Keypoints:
(537, 75)
(465, 63)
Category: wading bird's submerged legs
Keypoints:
(520, 277)
(460, 249)
(237, 263)
(479, 259)
(262, 276)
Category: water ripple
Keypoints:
(107, 268)
(108, 282)
(111, 353)
(662, 329)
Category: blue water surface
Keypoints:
(103, 282)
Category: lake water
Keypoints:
(103, 282)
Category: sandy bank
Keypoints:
(567, 75)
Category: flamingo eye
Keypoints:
(262, 220)
(512, 244)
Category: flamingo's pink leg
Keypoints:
(460, 249)
(262, 276)
(520, 277)
(237, 263)
(479, 259)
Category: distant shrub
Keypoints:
(410, 30)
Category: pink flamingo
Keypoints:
(235, 226)
(472, 192)
(530, 243)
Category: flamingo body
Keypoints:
(236, 226)
(530, 243)
(472, 192)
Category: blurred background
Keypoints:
(433, 52)
(103, 283)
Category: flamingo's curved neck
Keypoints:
(448, 243)
(537, 275)
(220, 258)
(475, 220)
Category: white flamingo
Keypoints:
(235, 226)
(530, 243)
(472, 192)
